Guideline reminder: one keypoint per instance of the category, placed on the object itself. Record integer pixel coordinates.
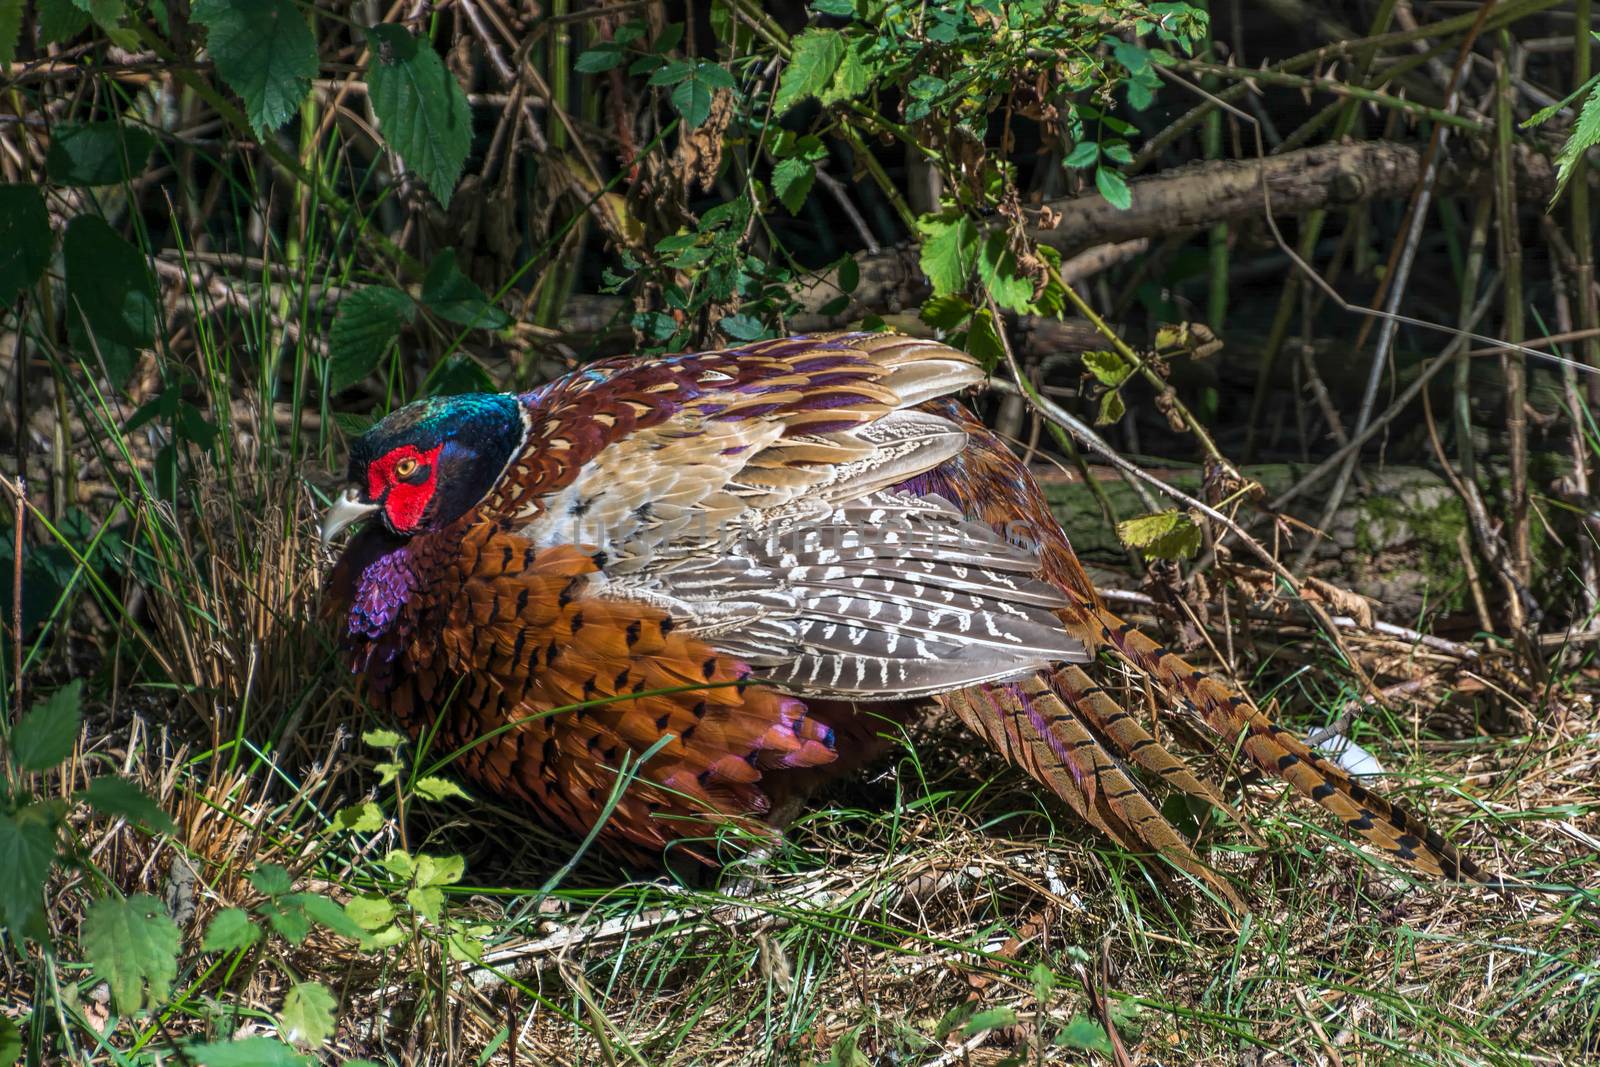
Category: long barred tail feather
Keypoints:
(1230, 714)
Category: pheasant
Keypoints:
(737, 564)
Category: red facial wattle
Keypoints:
(404, 497)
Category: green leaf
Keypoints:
(133, 946)
(1082, 1032)
(271, 879)
(1114, 187)
(954, 1019)
(1545, 114)
(110, 292)
(60, 20)
(97, 153)
(10, 1040)
(791, 180)
(364, 818)
(949, 251)
(399, 863)
(27, 849)
(116, 797)
(1043, 980)
(1083, 154)
(948, 312)
(693, 95)
(325, 911)
(247, 1052)
(997, 269)
(991, 1019)
(815, 55)
(1108, 367)
(382, 739)
(46, 734)
(600, 58)
(983, 340)
(1112, 408)
(854, 76)
(1169, 534)
(841, 8)
(307, 1016)
(742, 327)
(25, 239)
(440, 870)
(437, 789)
(1584, 136)
(370, 912)
(422, 111)
(229, 931)
(453, 296)
(264, 51)
(286, 917)
(387, 771)
(428, 901)
(107, 14)
(10, 29)
(367, 322)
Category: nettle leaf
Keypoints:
(1114, 187)
(1109, 368)
(816, 54)
(25, 239)
(438, 789)
(270, 879)
(97, 153)
(27, 849)
(421, 108)
(855, 74)
(453, 296)
(366, 324)
(998, 270)
(307, 1016)
(264, 51)
(110, 292)
(46, 734)
(247, 1052)
(230, 930)
(1170, 534)
(791, 180)
(60, 20)
(120, 798)
(949, 251)
(133, 946)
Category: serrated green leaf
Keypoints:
(388, 771)
(694, 91)
(1109, 368)
(10, 30)
(1082, 1032)
(27, 849)
(1114, 187)
(949, 251)
(791, 180)
(110, 291)
(247, 1052)
(998, 270)
(48, 731)
(107, 14)
(1545, 114)
(60, 20)
(813, 59)
(370, 912)
(133, 946)
(948, 312)
(1083, 154)
(25, 239)
(1112, 408)
(229, 931)
(399, 863)
(1169, 534)
(271, 879)
(364, 818)
(742, 327)
(984, 342)
(324, 911)
(427, 900)
(286, 917)
(118, 797)
(438, 789)
(1584, 136)
(264, 51)
(601, 58)
(991, 1019)
(97, 153)
(382, 739)
(440, 870)
(421, 108)
(453, 296)
(307, 1016)
(854, 74)
(366, 324)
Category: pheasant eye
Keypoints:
(406, 468)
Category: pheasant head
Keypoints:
(424, 465)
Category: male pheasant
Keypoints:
(753, 554)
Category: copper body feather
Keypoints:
(749, 553)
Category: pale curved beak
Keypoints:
(345, 510)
